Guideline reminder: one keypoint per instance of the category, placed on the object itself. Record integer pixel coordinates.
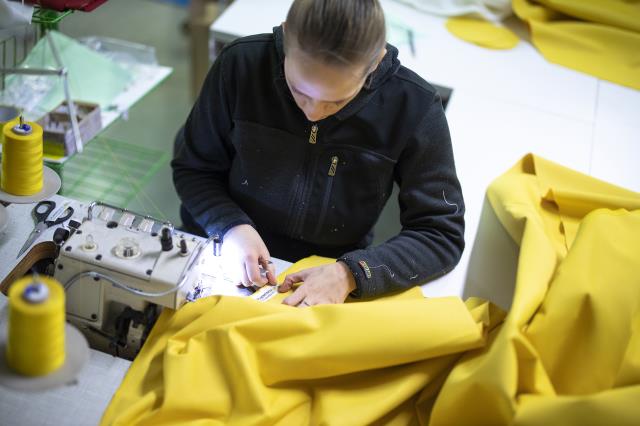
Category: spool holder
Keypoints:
(76, 348)
(51, 185)
(62, 72)
(77, 356)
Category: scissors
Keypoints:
(41, 213)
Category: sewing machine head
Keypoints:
(120, 268)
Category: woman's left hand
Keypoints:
(323, 284)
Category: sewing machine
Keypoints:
(120, 268)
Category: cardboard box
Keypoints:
(58, 133)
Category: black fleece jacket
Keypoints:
(250, 156)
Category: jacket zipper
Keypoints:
(327, 194)
(300, 195)
(313, 136)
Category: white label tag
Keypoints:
(265, 293)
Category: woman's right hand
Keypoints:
(243, 252)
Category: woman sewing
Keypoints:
(294, 144)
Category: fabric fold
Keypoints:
(564, 347)
(568, 351)
(598, 38)
(236, 360)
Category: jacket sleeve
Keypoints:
(203, 158)
(431, 240)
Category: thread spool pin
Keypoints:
(22, 128)
(35, 293)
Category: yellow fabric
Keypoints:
(238, 361)
(601, 38)
(483, 33)
(567, 353)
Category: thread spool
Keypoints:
(36, 337)
(22, 166)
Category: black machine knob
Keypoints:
(166, 239)
(184, 250)
(60, 236)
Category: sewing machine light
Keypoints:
(89, 243)
(127, 248)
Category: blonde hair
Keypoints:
(337, 32)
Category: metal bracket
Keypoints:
(62, 72)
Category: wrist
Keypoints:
(235, 229)
(347, 276)
(234, 226)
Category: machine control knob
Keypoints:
(184, 250)
(127, 248)
(166, 239)
(60, 236)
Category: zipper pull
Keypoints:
(314, 134)
(334, 166)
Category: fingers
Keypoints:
(270, 270)
(297, 298)
(245, 251)
(252, 268)
(258, 274)
(322, 285)
(245, 280)
(292, 279)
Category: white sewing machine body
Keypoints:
(119, 269)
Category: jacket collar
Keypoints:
(387, 67)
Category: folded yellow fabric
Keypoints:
(239, 361)
(567, 353)
(569, 350)
(601, 38)
(483, 33)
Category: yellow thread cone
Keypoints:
(35, 346)
(7, 113)
(22, 168)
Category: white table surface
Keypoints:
(82, 402)
(504, 105)
(79, 403)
